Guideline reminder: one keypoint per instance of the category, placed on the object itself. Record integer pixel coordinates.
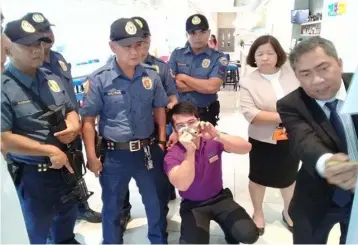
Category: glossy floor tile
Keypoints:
(235, 172)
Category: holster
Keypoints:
(15, 170)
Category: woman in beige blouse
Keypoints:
(271, 163)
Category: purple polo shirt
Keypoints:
(208, 172)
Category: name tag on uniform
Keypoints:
(213, 159)
(22, 102)
(181, 64)
(112, 93)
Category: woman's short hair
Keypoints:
(281, 54)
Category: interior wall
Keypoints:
(278, 22)
(340, 30)
(226, 20)
(316, 6)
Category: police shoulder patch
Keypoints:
(223, 60)
(86, 86)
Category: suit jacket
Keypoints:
(311, 136)
(256, 94)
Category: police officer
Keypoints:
(169, 86)
(199, 70)
(56, 63)
(29, 139)
(124, 94)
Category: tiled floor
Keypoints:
(235, 171)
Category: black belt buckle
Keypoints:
(134, 145)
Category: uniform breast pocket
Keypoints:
(202, 72)
(183, 69)
(25, 110)
(114, 101)
(146, 100)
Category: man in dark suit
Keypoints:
(325, 141)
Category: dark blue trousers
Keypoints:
(118, 168)
(44, 213)
(303, 233)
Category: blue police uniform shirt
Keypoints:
(59, 66)
(20, 112)
(125, 105)
(163, 70)
(208, 64)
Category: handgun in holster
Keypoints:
(75, 157)
(99, 147)
(15, 170)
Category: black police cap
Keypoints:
(197, 22)
(125, 32)
(143, 24)
(38, 20)
(22, 32)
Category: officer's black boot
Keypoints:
(87, 214)
(126, 212)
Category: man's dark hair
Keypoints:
(281, 55)
(183, 108)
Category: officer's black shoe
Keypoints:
(90, 216)
(124, 221)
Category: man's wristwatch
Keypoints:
(163, 143)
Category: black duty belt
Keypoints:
(39, 167)
(132, 146)
(207, 108)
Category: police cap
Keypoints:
(22, 32)
(125, 32)
(38, 20)
(197, 22)
(143, 24)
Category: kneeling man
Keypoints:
(194, 167)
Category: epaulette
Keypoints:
(4, 79)
(159, 60)
(148, 67)
(106, 67)
(46, 71)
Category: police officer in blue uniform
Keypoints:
(30, 140)
(56, 63)
(169, 86)
(125, 94)
(199, 71)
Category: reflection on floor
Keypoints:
(235, 172)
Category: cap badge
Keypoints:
(139, 23)
(196, 20)
(147, 83)
(63, 65)
(38, 18)
(53, 86)
(130, 28)
(155, 67)
(205, 63)
(27, 27)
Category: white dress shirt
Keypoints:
(350, 132)
(274, 79)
